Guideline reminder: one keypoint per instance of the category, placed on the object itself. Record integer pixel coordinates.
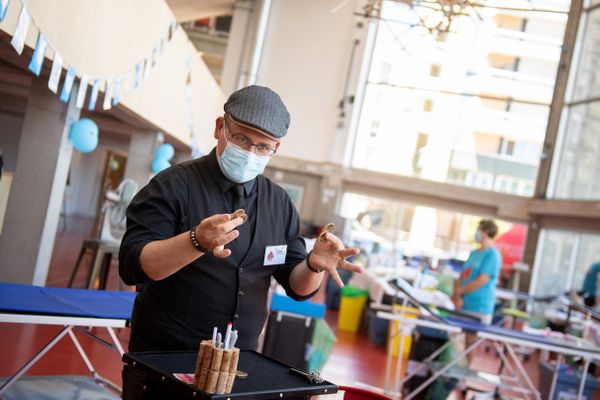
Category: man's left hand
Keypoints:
(332, 255)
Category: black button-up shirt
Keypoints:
(177, 312)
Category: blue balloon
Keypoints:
(84, 135)
(158, 164)
(165, 151)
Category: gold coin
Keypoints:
(241, 374)
(328, 228)
(239, 214)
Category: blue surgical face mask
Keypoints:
(240, 165)
(478, 236)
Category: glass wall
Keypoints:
(577, 163)
(469, 107)
(563, 258)
(390, 230)
(552, 270)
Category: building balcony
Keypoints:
(511, 125)
(494, 164)
(523, 44)
(541, 40)
(503, 86)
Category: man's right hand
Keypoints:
(216, 231)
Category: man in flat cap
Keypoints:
(195, 265)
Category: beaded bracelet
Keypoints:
(195, 242)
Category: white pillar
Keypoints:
(38, 187)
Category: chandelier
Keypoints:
(436, 16)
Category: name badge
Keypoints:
(275, 255)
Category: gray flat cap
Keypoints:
(260, 108)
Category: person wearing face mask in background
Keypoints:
(195, 266)
(475, 291)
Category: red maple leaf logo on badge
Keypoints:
(270, 256)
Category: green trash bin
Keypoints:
(352, 305)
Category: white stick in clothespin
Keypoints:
(228, 335)
(214, 337)
(234, 338)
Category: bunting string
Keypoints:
(114, 86)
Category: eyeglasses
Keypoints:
(245, 143)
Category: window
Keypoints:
(486, 142)
(552, 271)
(512, 22)
(576, 167)
(496, 104)
(503, 61)
(427, 105)
(404, 230)
(420, 145)
(223, 24)
(506, 147)
(480, 180)
(577, 176)
(562, 259)
(466, 110)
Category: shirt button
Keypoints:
(241, 293)
(241, 270)
(236, 316)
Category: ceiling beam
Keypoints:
(551, 213)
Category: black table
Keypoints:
(267, 378)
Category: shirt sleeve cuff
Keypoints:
(129, 264)
(283, 278)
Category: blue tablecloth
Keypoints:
(29, 299)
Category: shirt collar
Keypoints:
(224, 183)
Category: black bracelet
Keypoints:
(195, 242)
(313, 269)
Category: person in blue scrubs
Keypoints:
(590, 285)
(475, 291)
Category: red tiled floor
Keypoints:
(18, 343)
(354, 360)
